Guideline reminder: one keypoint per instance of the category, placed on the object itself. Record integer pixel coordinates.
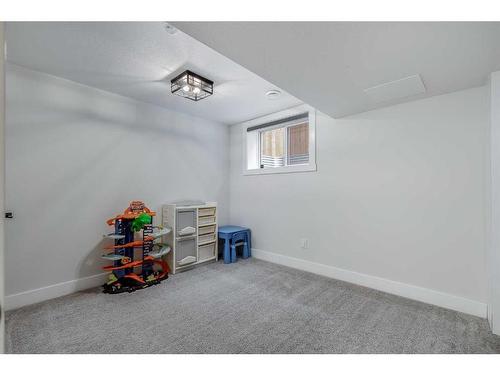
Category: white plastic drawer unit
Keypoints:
(206, 238)
(206, 220)
(186, 222)
(193, 238)
(209, 211)
(206, 230)
(206, 251)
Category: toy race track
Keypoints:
(129, 274)
(135, 209)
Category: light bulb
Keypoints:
(196, 90)
(185, 88)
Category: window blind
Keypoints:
(302, 116)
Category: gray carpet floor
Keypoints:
(247, 307)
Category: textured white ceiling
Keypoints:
(329, 64)
(138, 59)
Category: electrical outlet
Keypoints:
(304, 243)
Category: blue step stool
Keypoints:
(232, 234)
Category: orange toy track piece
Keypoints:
(133, 211)
(135, 277)
(130, 244)
(162, 263)
(164, 266)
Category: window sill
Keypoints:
(290, 169)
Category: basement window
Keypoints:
(281, 143)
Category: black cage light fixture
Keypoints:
(192, 86)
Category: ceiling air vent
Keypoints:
(397, 89)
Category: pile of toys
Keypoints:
(136, 253)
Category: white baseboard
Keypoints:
(417, 293)
(30, 297)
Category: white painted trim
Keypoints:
(289, 169)
(3, 47)
(414, 292)
(30, 297)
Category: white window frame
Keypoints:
(309, 167)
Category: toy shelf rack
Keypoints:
(193, 238)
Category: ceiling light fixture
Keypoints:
(273, 94)
(192, 86)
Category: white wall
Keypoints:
(400, 194)
(75, 157)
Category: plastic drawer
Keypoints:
(205, 220)
(206, 230)
(209, 211)
(186, 222)
(206, 238)
(185, 251)
(206, 251)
